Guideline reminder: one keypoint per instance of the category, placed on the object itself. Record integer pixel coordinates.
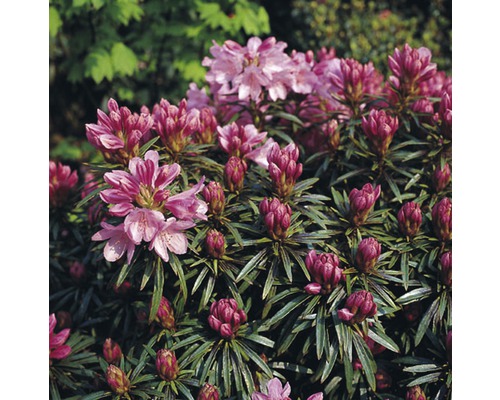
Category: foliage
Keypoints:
(292, 322)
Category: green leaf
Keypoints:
(123, 59)
(434, 377)
(414, 295)
(251, 265)
(366, 358)
(379, 336)
(55, 22)
(98, 65)
(320, 332)
(157, 291)
(426, 319)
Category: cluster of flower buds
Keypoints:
(213, 193)
(446, 268)
(239, 140)
(119, 135)
(283, 168)
(234, 174)
(361, 202)
(409, 219)
(112, 351)
(215, 244)
(410, 68)
(166, 365)
(277, 217)
(325, 272)
(367, 255)
(441, 219)
(441, 177)
(358, 306)
(226, 317)
(208, 127)
(208, 392)
(415, 393)
(380, 128)
(57, 349)
(61, 181)
(175, 125)
(117, 380)
(165, 314)
(445, 113)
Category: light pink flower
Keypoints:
(237, 140)
(57, 349)
(141, 224)
(275, 391)
(170, 236)
(186, 205)
(118, 242)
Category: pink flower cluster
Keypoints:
(151, 214)
(57, 349)
(276, 391)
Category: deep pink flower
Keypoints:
(208, 392)
(409, 218)
(358, 306)
(165, 315)
(213, 193)
(441, 219)
(118, 134)
(277, 217)
(118, 242)
(367, 254)
(61, 181)
(415, 393)
(380, 128)
(325, 272)
(234, 174)
(226, 317)
(170, 236)
(283, 168)
(117, 380)
(215, 243)
(166, 365)
(441, 177)
(57, 349)
(362, 201)
(237, 140)
(112, 351)
(445, 113)
(445, 261)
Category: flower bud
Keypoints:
(445, 113)
(446, 268)
(380, 128)
(78, 272)
(123, 289)
(234, 174)
(166, 365)
(207, 128)
(165, 314)
(332, 133)
(62, 181)
(441, 219)
(415, 393)
(215, 243)
(213, 194)
(449, 346)
(358, 306)
(412, 312)
(225, 317)
(277, 217)
(409, 219)
(208, 392)
(283, 168)
(117, 380)
(383, 379)
(361, 202)
(367, 255)
(111, 351)
(441, 177)
(325, 272)
(64, 320)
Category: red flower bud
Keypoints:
(78, 272)
(208, 392)
(449, 346)
(226, 318)
(117, 380)
(441, 219)
(283, 168)
(361, 202)
(409, 219)
(325, 272)
(383, 379)
(380, 128)
(213, 194)
(441, 177)
(358, 306)
(234, 174)
(415, 393)
(446, 268)
(332, 133)
(277, 217)
(207, 128)
(367, 255)
(111, 351)
(166, 365)
(412, 312)
(215, 243)
(165, 314)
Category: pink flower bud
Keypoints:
(166, 365)
(283, 168)
(449, 346)
(445, 113)
(277, 217)
(215, 243)
(208, 392)
(324, 270)
(441, 177)
(313, 288)
(358, 306)
(124, 289)
(367, 255)
(415, 393)
(361, 202)
(412, 312)
(57, 349)
(213, 194)
(78, 272)
(380, 128)
(446, 268)
(111, 351)
(332, 133)
(165, 314)
(383, 379)
(409, 219)
(207, 128)
(234, 174)
(441, 219)
(62, 181)
(226, 318)
(117, 380)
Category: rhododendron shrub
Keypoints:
(282, 233)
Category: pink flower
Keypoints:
(361, 202)
(141, 224)
(57, 349)
(277, 217)
(367, 254)
(238, 140)
(186, 205)
(442, 219)
(358, 306)
(276, 391)
(226, 317)
(61, 181)
(325, 272)
(118, 134)
(380, 128)
(118, 242)
(283, 168)
(234, 174)
(170, 236)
